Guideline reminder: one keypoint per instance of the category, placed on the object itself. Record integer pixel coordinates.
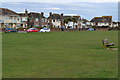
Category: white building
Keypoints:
(23, 19)
(102, 21)
(9, 18)
(55, 20)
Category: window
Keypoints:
(50, 20)
(45, 20)
(36, 19)
(42, 20)
(18, 19)
(26, 18)
(53, 20)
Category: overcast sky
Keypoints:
(85, 8)
(60, 0)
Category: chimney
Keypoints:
(42, 13)
(50, 13)
(61, 14)
(26, 11)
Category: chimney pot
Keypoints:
(42, 13)
(50, 13)
(61, 14)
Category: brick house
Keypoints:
(33, 19)
(43, 20)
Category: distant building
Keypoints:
(55, 20)
(43, 20)
(73, 24)
(86, 23)
(9, 18)
(115, 24)
(34, 19)
(102, 21)
(24, 19)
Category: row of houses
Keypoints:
(9, 18)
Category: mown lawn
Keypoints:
(59, 55)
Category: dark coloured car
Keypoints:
(8, 30)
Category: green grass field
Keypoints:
(59, 55)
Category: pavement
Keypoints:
(22, 32)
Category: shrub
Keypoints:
(94, 26)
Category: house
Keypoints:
(55, 20)
(60, 20)
(9, 18)
(86, 23)
(37, 20)
(24, 19)
(114, 24)
(102, 21)
(33, 19)
(72, 21)
(43, 20)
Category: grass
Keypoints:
(59, 55)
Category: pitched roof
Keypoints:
(102, 19)
(108, 18)
(55, 16)
(42, 16)
(77, 17)
(85, 20)
(4, 11)
(33, 14)
(115, 22)
(96, 19)
(58, 16)
(22, 14)
(65, 17)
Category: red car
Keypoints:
(32, 30)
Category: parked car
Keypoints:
(45, 30)
(91, 29)
(32, 30)
(8, 30)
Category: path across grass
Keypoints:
(59, 55)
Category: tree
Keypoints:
(71, 19)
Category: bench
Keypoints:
(106, 43)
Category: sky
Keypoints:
(60, 0)
(85, 8)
